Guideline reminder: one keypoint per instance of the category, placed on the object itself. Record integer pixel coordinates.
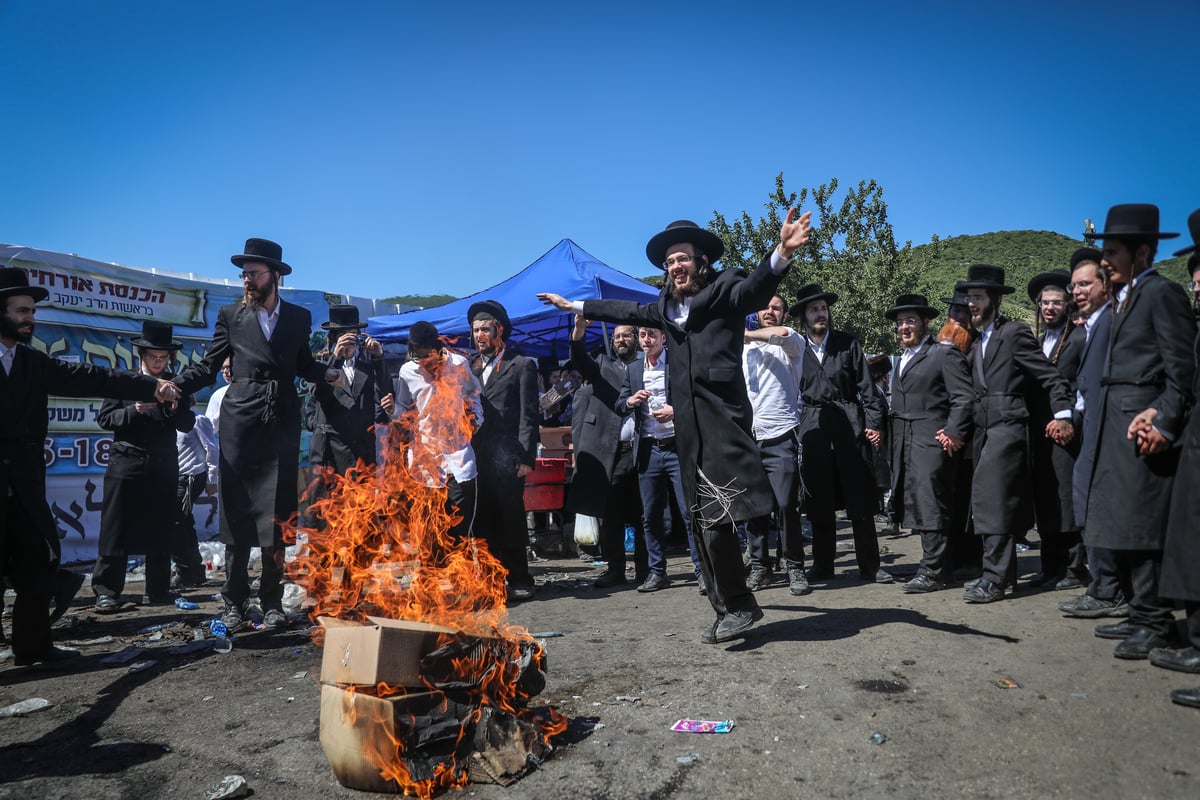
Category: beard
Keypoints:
(625, 351)
(689, 288)
(10, 330)
(255, 297)
(1059, 320)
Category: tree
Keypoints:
(852, 252)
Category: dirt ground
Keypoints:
(808, 691)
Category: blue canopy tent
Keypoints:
(539, 330)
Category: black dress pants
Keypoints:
(27, 564)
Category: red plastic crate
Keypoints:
(544, 486)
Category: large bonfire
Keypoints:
(383, 550)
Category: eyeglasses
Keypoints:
(254, 276)
(1194, 285)
(1084, 285)
(908, 322)
(165, 357)
(1052, 303)
(682, 261)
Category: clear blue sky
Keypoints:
(396, 148)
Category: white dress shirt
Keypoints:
(443, 445)
(773, 370)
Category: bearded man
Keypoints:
(266, 342)
(1007, 367)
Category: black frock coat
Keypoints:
(596, 429)
(342, 418)
(1181, 554)
(933, 393)
(838, 402)
(141, 479)
(1087, 383)
(1005, 377)
(260, 418)
(1149, 365)
(1054, 464)
(24, 398)
(707, 388)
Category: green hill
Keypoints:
(1023, 254)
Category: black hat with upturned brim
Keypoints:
(494, 310)
(1131, 221)
(14, 281)
(343, 318)
(912, 302)
(959, 298)
(264, 251)
(156, 336)
(1055, 277)
(810, 294)
(678, 232)
(985, 276)
(1194, 229)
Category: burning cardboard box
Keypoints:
(381, 651)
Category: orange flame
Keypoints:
(385, 550)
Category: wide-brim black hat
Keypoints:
(1131, 221)
(1055, 277)
(810, 294)
(156, 336)
(985, 276)
(263, 251)
(14, 281)
(494, 310)
(343, 318)
(1085, 254)
(959, 298)
(678, 232)
(912, 302)
(1194, 229)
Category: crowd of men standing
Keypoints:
(741, 420)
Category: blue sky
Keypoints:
(396, 148)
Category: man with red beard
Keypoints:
(29, 545)
(266, 342)
(1063, 560)
(703, 313)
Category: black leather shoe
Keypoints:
(1009, 588)
(1068, 582)
(922, 584)
(654, 583)
(1186, 697)
(1184, 660)
(879, 576)
(66, 586)
(52, 656)
(735, 624)
(984, 591)
(1116, 630)
(610, 579)
(1141, 643)
(1041, 579)
(1087, 607)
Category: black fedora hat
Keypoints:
(809, 294)
(1085, 254)
(156, 336)
(14, 281)
(911, 302)
(343, 318)
(1194, 229)
(1055, 277)
(958, 299)
(1131, 221)
(985, 276)
(263, 251)
(678, 232)
(492, 310)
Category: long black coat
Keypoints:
(596, 429)
(341, 418)
(23, 426)
(1054, 464)
(839, 402)
(708, 390)
(1149, 365)
(1087, 383)
(1181, 553)
(260, 418)
(933, 393)
(1005, 377)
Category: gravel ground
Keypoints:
(808, 691)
